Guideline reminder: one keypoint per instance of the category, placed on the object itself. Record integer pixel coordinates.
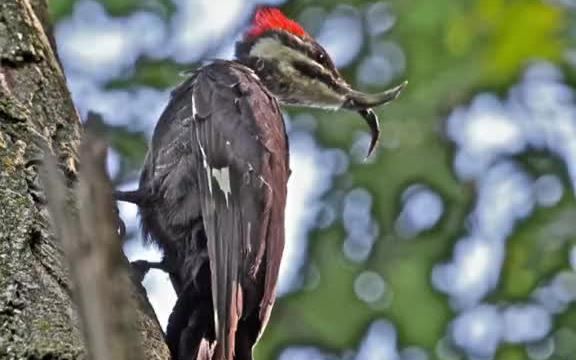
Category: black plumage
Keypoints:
(214, 184)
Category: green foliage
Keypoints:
(159, 74)
(453, 50)
(60, 9)
(126, 7)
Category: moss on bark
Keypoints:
(38, 319)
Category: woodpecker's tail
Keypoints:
(190, 333)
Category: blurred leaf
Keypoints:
(419, 312)
(565, 341)
(160, 74)
(126, 7)
(60, 9)
(511, 352)
(540, 245)
(538, 249)
(510, 47)
(132, 146)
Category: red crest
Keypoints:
(273, 19)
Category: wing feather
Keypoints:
(242, 148)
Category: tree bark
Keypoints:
(38, 318)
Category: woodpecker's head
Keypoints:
(298, 71)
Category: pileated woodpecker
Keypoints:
(213, 189)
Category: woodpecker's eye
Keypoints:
(322, 57)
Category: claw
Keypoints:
(134, 197)
(141, 267)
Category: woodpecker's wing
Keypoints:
(242, 170)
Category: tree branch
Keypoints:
(92, 246)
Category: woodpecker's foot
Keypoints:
(141, 267)
(134, 197)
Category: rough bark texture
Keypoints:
(38, 319)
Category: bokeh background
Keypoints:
(455, 241)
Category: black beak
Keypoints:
(363, 103)
(372, 120)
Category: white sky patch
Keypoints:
(302, 352)
(422, 208)
(106, 47)
(505, 197)
(341, 35)
(157, 283)
(379, 343)
(548, 190)
(474, 265)
(472, 274)
(307, 183)
(161, 294)
(300, 187)
(145, 104)
(486, 128)
(226, 50)
(491, 131)
(361, 227)
(478, 330)
(526, 323)
(93, 44)
(380, 18)
(198, 23)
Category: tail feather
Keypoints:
(189, 325)
(205, 351)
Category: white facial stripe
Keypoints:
(272, 48)
(312, 92)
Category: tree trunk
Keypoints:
(38, 319)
